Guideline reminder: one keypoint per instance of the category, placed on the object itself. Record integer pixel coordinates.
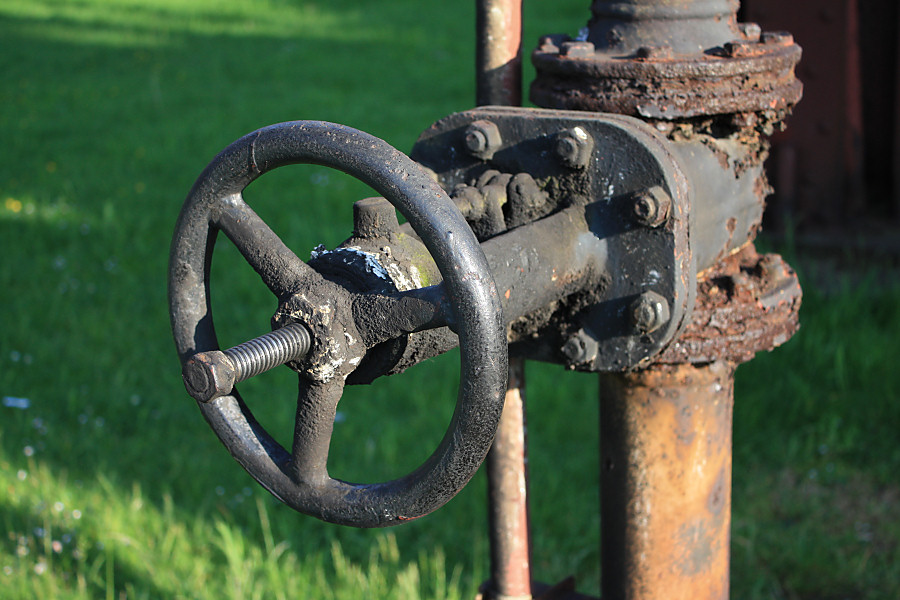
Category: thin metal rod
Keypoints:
(498, 58)
(498, 52)
(665, 482)
(508, 496)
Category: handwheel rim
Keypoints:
(470, 287)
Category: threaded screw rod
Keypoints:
(210, 375)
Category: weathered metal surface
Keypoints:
(300, 477)
(625, 158)
(747, 303)
(665, 437)
(507, 471)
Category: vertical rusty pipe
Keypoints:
(498, 52)
(665, 438)
(508, 496)
(498, 65)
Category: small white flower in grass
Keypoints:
(22, 475)
(76, 514)
(13, 402)
(7, 570)
(40, 568)
(58, 506)
(57, 546)
(28, 451)
(21, 550)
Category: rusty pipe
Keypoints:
(498, 52)
(508, 496)
(665, 437)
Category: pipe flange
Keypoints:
(744, 75)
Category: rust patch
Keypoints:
(745, 303)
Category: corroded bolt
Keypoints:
(576, 49)
(483, 139)
(750, 31)
(651, 207)
(581, 348)
(374, 217)
(780, 38)
(574, 146)
(649, 312)
(211, 375)
(655, 52)
(741, 48)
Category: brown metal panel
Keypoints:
(820, 155)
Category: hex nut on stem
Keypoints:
(574, 146)
(649, 312)
(483, 139)
(651, 207)
(374, 217)
(208, 375)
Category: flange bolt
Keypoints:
(649, 312)
(651, 207)
(581, 348)
(483, 139)
(574, 146)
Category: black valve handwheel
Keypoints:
(299, 477)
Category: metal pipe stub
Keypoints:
(665, 481)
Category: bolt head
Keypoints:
(651, 207)
(581, 348)
(649, 312)
(482, 139)
(750, 31)
(779, 38)
(660, 52)
(577, 49)
(208, 375)
(574, 147)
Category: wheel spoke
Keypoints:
(314, 424)
(401, 313)
(276, 264)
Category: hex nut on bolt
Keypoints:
(483, 139)
(649, 312)
(651, 207)
(574, 146)
(208, 375)
(581, 348)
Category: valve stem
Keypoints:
(213, 374)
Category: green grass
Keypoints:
(113, 486)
